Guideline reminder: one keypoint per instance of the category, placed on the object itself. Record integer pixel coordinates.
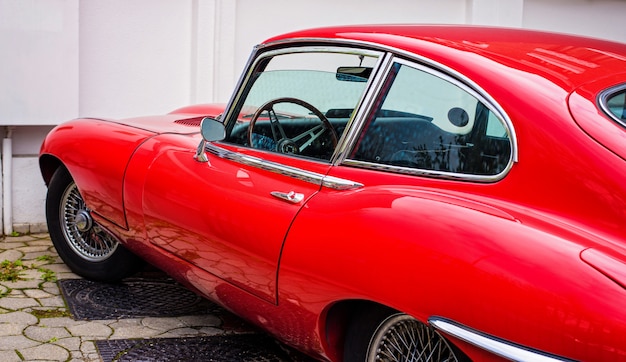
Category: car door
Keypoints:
(230, 215)
(227, 216)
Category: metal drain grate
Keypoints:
(223, 348)
(132, 298)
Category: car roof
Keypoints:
(478, 51)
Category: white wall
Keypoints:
(39, 49)
(63, 59)
(596, 18)
(134, 56)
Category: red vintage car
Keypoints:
(377, 193)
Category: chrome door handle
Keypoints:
(291, 196)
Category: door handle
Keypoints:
(291, 196)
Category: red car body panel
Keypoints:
(540, 252)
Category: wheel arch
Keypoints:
(342, 315)
(338, 318)
(48, 164)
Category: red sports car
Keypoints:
(377, 193)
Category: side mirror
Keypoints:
(211, 130)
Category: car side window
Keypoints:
(428, 122)
(299, 102)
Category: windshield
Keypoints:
(300, 102)
(319, 88)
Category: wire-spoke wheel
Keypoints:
(87, 249)
(402, 338)
(85, 237)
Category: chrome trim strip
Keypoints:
(602, 102)
(243, 78)
(303, 175)
(420, 172)
(499, 347)
(356, 124)
(340, 183)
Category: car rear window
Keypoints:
(613, 102)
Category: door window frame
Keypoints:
(452, 77)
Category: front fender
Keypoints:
(95, 152)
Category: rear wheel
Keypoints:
(86, 248)
(385, 336)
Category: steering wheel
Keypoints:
(294, 145)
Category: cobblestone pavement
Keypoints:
(35, 323)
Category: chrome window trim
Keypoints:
(417, 171)
(259, 53)
(400, 53)
(603, 99)
(293, 172)
(442, 174)
(387, 55)
(356, 124)
(500, 347)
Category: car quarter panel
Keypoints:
(431, 254)
(96, 153)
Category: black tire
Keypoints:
(385, 335)
(85, 247)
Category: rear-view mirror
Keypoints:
(353, 74)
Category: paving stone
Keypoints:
(35, 258)
(162, 324)
(18, 318)
(89, 348)
(70, 343)
(21, 238)
(40, 237)
(52, 288)
(31, 275)
(9, 356)
(11, 329)
(132, 328)
(45, 352)
(16, 342)
(18, 303)
(180, 332)
(17, 293)
(45, 334)
(56, 301)
(11, 255)
(23, 284)
(66, 275)
(60, 322)
(58, 268)
(91, 329)
(6, 245)
(37, 294)
(33, 248)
